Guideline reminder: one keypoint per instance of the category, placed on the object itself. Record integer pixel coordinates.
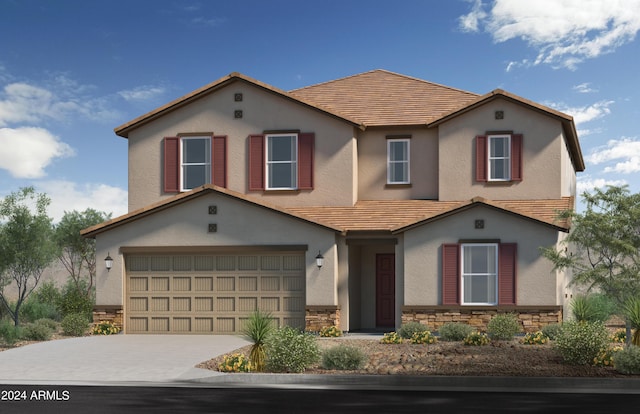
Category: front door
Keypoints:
(385, 290)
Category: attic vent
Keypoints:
(499, 114)
(237, 97)
(237, 114)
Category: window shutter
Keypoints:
(507, 273)
(305, 161)
(219, 160)
(516, 157)
(450, 274)
(481, 158)
(171, 165)
(256, 162)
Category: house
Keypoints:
(364, 202)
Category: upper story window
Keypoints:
(195, 162)
(499, 157)
(282, 161)
(398, 161)
(479, 274)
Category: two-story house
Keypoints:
(363, 202)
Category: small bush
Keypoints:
(105, 328)
(75, 324)
(424, 337)
(503, 327)
(552, 330)
(32, 310)
(580, 343)
(330, 332)
(40, 330)
(73, 299)
(627, 360)
(257, 329)
(9, 333)
(343, 357)
(407, 330)
(391, 338)
(619, 336)
(606, 356)
(535, 338)
(454, 331)
(289, 350)
(477, 339)
(591, 308)
(235, 363)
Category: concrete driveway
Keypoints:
(115, 358)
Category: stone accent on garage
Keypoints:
(532, 319)
(318, 317)
(114, 314)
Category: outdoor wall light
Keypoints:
(319, 259)
(108, 262)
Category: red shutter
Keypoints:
(516, 157)
(481, 158)
(450, 274)
(256, 162)
(507, 263)
(219, 160)
(171, 165)
(305, 161)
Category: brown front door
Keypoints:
(385, 290)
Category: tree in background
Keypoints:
(77, 253)
(26, 245)
(603, 247)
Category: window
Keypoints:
(398, 161)
(479, 274)
(499, 157)
(282, 161)
(195, 165)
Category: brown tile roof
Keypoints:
(380, 97)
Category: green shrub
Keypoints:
(606, 356)
(535, 338)
(75, 324)
(627, 360)
(425, 337)
(105, 328)
(73, 299)
(37, 331)
(235, 363)
(580, 343)
(476, 339)
(591, 308)
(9, 333)
(407, 330)
(503, 327)
(330, 332)
(552, 330)
(619, 336)
(47, 292)
(343, 357)
(631, 311)
(257, 329)
(290, 350)
(391, 338)
(454, 331)
(32, 310)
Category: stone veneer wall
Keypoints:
(532, 319)
(114, 314)
(317, 317)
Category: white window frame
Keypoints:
(493, 275)
(293, 162)
(391, 163)
(506, 158)
(184, 165)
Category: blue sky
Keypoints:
(71, 71)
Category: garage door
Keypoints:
(213, 293)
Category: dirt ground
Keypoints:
(499, 358)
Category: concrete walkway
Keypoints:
(115, 358)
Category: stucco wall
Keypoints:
(536, 283)
(262, 111)
(238, 224)
(543, 148)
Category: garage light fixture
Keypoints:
(319, 259)
(108, 262)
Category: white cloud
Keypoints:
(624, 153)
(142, 93)
(70, 196)
(26, 152)
(584, 88)
(584, 114)
(563, 32)
(588, 184)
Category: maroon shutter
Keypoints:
(256, 162)
(481, 158)
(219, 160)
(450, 274)
(516, 157)
(305, 161)
(171, 165)
(507, 260)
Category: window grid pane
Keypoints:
(499, 157)
(479, 274)
(398, 161)
(196, 162)
(282, 164)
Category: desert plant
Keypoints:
(236, 362)
(591, 308)
(407, 330)
(257, 329)
(552, 330)
(73, 300)
(330, 332)
(391, 338)
(619, 336)
(454, 331)
(535, 338)
(37, 331)
(343, 357)
(290, 350)
(75, 324)
(580, 342)
(105, 328)
(33, 309)
(632, 313)
(423, 337)
(503, 327)
(627, 360)
(477, 339)
(9, 333)
(606, 356)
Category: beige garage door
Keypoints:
(212, 293)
